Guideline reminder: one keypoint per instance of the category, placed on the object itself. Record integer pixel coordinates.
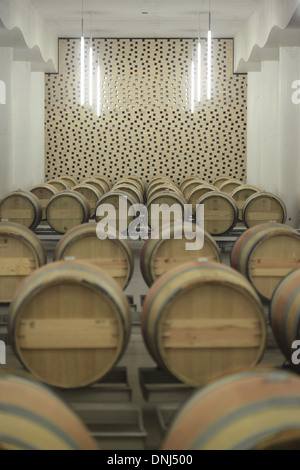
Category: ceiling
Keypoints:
(145, 18)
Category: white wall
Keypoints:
(6, 73)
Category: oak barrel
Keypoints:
(166, 199)
(165, 187)
(189, 186)
(219, 181)
(21, 207)
(101, 186)
(44, 192)
(59, 184)
(220, 212)
(265, 254)
(69, 324)
(285, 318)
(105, 182)
(138, 180)
(67, 210)
(132, 189)
(251, 410)
(262, 208)
(21, 253)
(33, 418)
(111, 254)
(229, 186)
(165, 251)
(198, 192)
(119, 202)
(91, 194)
(240, 196)
(187, 179)
(202, 319)
(71, 182)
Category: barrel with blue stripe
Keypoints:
(33, 418)
(265, 254)
(202, 319)
(251, 410)
(69, 324)
(285, 315)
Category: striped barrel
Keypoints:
(120, 203)
(250, 410)
(59, 184)
(66, 210)
(229, 186)
(219, 181)
(285, 315)
(71, 182)
(101, 186)
(21, 253)
(69, 324)
(33, 418)
(262, 208)
(265, 254)
(203, 319)
(220, 212)
(105, 181)
(91, 194)
(44, 192)
(198, 192)
(240, 196)
(111, 254)
(168, 249)
(21, 207)
(166, 199)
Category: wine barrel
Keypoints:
(220, 212)
(137, 180)
(219, 181)
(265, 254)
(100, 186)
(33, 418)
(187, 179)
(188, 186)
(285, 308)
(91, 194)
(157, 183)
(198, 192)
(71, 182)
(44, 192)
(229, 186)
(67, 210)
(262, 208)
(69, 324)
(59, 184)
(165, 187)
(202, 319)
(21, 253)
(132, 190)
(168, 199)
(240, 196)
(21, 207)
(116, 199)
(105, 181)
(251, 410)
(112, 254)
(166, 250)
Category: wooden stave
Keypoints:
(82, 188)
(157, 182)
(226, 187)
(163, 187)
(193, 197)
(207, 415)
(51, 190)
(76, 196)
(105, 180)
(238, 191)
(71, 182)
(261, 194)
(189, 186)
(138, 184)
(153, 244)
(187, 179)
(131, 189)
(34, 201)
(42, 410)
(101, 188)
(219, 181)
(188, 183)
(59, 184)
(233, 205)
(249, 241)
(130, 202)
(138, 180)
(283, 314)
(78, 272)
(88, 229)
(163, 287)
(177, 199)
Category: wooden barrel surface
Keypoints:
(219, 181)
(157, 183)
(132, 190)
(33, 418)
(285, 314)
(137, 180)
(167, 199)
(202, 319)
(163, 187)
(198, 192)
(69, 324)
(59, 184)
(188, 186)
(111, 254)
(91, 194)
(105, 181)
(220, 212)
(252, 410)
(21, 207)
(240, 196)
(262, 208)
(165, 251)
(229, 186)
(44, 192)
(71, 182)
(99, 185)
(265, 254)
(120, 202)
(187, 179)
(66, 210)
(21, 253)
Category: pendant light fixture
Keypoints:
(82, 63)
(199, 68)
(209, 53)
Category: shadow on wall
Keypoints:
(2, 92)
